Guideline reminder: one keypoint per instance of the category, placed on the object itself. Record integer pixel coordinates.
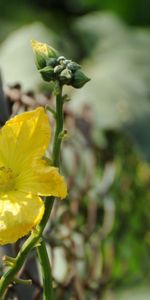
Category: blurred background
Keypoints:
(99, 238)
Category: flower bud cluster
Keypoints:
(57, 68)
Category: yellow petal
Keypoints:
(42, 180)
(39, 47)
(23, 139)
(19, 214)
(43, 48)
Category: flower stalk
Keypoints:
(48, 293)
(59, 128)
(46, 271)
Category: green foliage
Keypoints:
(113, 207)
(130, 234)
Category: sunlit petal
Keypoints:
(19, 214)
(24, 138)
(43, 180)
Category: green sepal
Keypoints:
(52, 53)
(40, 61)
(79, 79)
(47, 73)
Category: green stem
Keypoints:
(35, 236)
(7, 278)
(42, 252)
(59, 128)
(46, 271)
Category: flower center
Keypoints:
(6, 179)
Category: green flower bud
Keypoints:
(47, 73)
(60, 58)
(42, 53)
(73, 66)
(58, 69)
(66, 62)
(79, 79)
(65, 75)
(51, 62)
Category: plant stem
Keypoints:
(46, 271)
(42, 252)
(36, 235)
(7, 278)
(59, 128)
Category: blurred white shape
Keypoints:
(59, 264)
(119, 68)
(16, 56)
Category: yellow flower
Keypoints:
(25, 175)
